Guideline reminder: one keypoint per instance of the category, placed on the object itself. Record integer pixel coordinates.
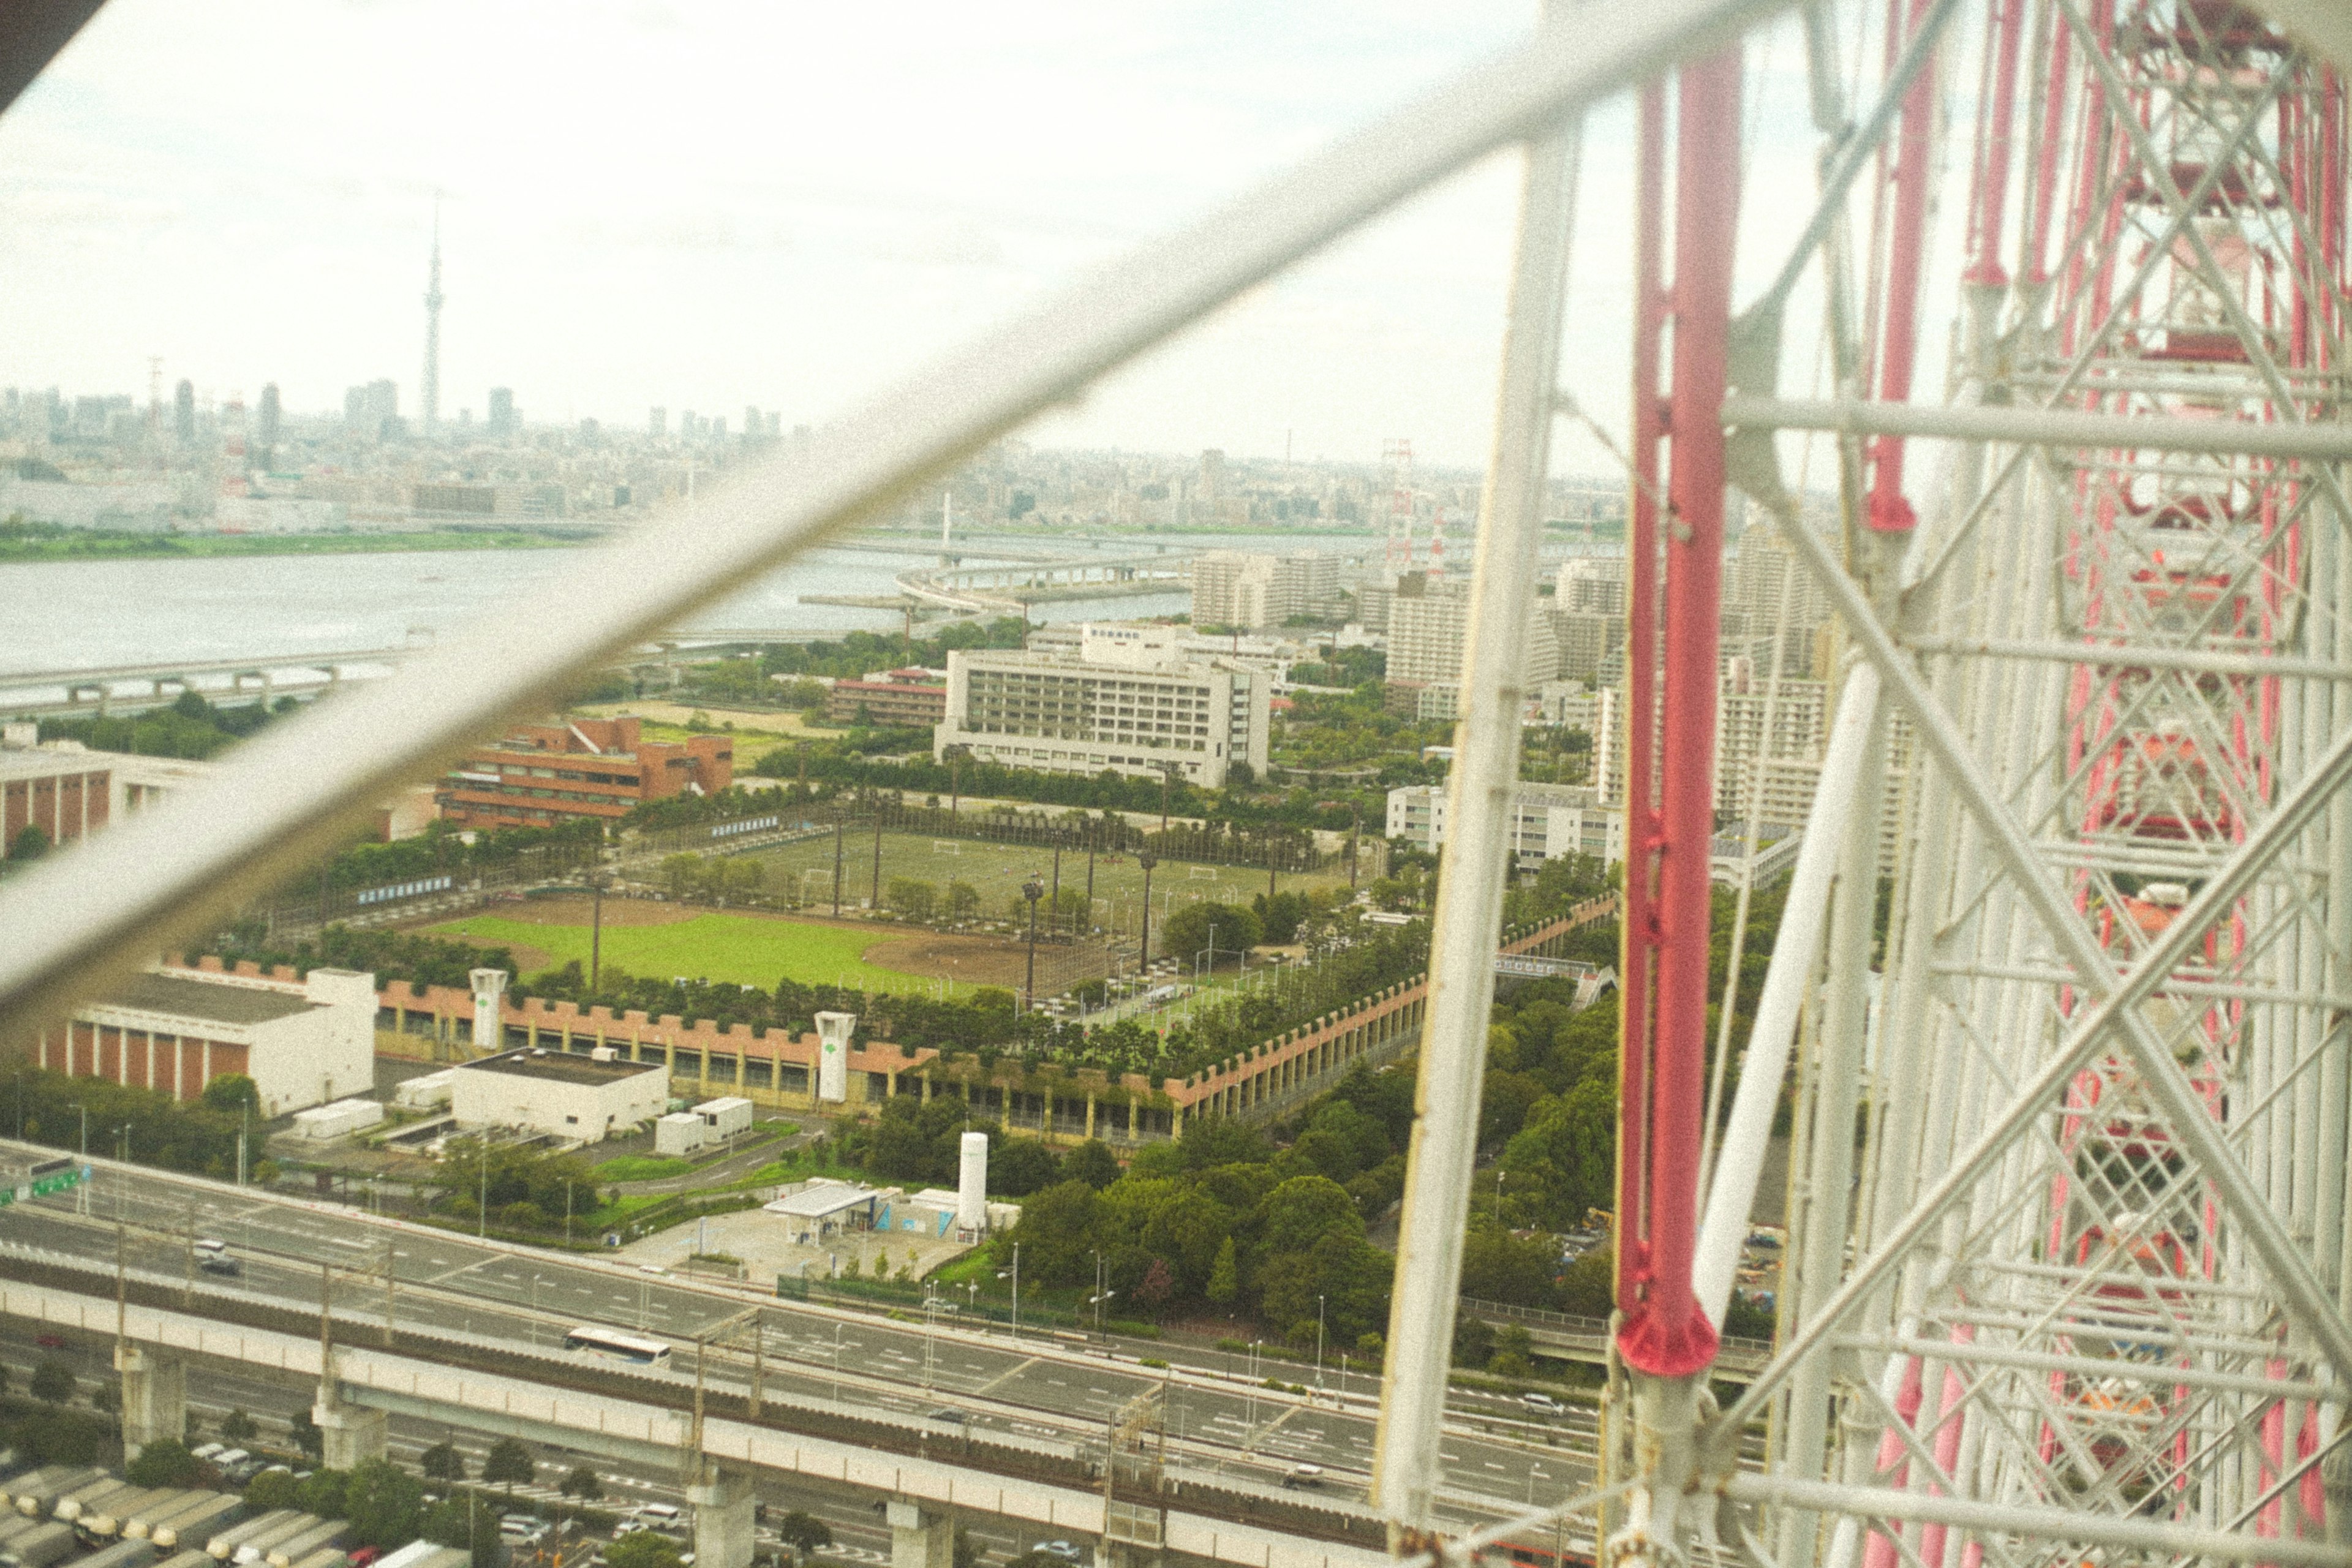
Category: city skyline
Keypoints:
(706, 247)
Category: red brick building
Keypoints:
(63, 793)
(539, 776)
(901, 698)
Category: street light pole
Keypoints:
(1143, 962)
(1319, 1342)
(596, 927)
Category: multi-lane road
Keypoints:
(1498, 1456)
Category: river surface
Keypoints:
(59, 617)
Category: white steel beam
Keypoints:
(2043, 427)
(1796, 957)
(288, 795)
(2095, 655)
(1475, 869)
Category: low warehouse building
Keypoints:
(563, 1095)
(302, 1042)
(679, 1133)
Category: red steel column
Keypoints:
(1888, 511)
(1665, 1333)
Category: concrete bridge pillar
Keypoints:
(918, 1538)
(154, 1396)
(723, 1536)
(353, 1432)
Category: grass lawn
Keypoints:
(641, 1168)
(739, 949)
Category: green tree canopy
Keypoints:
(384, 1503)
(442, 1462)
(231, 1092)
(165, 1462)
(643, 1549)
(508, 1464)
(1189, 931)
(53, 1381)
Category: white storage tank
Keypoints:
(971, 1184)
(680, 1133)
(833, 1055)
(428, 1092)
(726, 1116)
(340, 1119)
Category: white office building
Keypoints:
(1129, 701)
(573, 1097)
(1547, 821)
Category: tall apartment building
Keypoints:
(1592, 643)
(1429, 623)
(1797, 729)
(1591, 584)
(539, 776)
(1128, 701)
(1239, 589)
(1547, 821)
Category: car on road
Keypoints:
(1058, 1548)
(661, 1515)
(227, 1268)
(1543, 1405)
(1304, 1475)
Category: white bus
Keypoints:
(635, 1349)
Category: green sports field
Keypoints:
(995, 871)
(742, 949)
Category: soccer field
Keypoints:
(742, 950)
(804, 870)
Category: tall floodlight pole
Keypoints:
(1033, 889)
(1143, 956)
(1407, 1467)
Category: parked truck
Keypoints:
(257, 1547)
(103, 1521)
(39, 1493)
(194, 1522)
(38, 1548)
(294, 1548)
(222, 1546)
(121, 1554)
(71, 1505)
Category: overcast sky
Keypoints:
(707, 203)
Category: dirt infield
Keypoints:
(973, 960)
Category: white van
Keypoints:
(661, 1515)
(1543, 1405)
(207, 1248)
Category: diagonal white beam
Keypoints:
(2166, 1083)
(290, 794)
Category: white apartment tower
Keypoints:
(1239, 589)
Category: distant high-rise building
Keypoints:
(590, 433)
(718, 428)
(685, 425)
(754, 425)
(272, 413)
(372, 412)
(1211, 490)
(430, 392)
(502, 411)
(776, 427)
(183, 412)
(657, 423)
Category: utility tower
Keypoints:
(1396, 456)
(433, 297)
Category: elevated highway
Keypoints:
(1030, 1412)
